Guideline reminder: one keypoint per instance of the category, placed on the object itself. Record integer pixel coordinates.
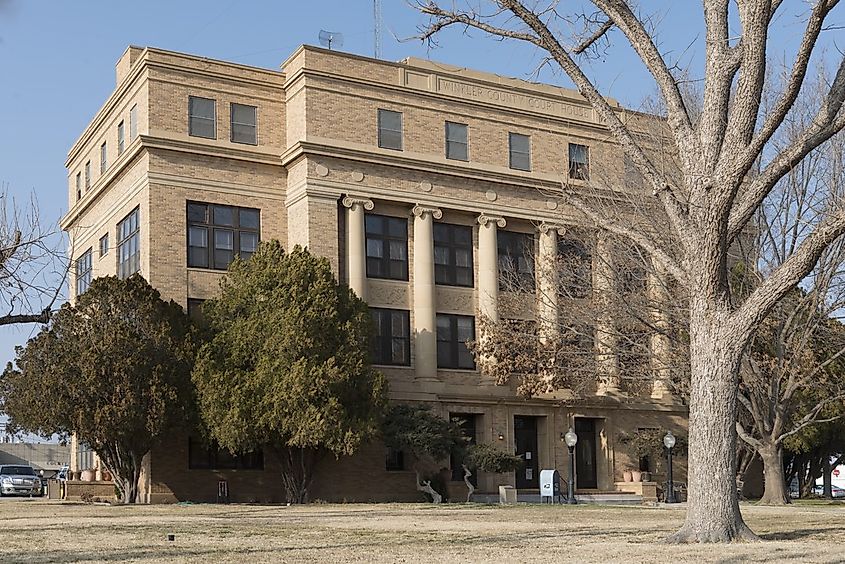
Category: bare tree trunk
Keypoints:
(470, 487)
(828, 481)
(297, 472)
(425, 487)
(774, 492)
(712, 506)
(126, 470)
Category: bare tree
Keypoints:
(708, 204)
(33, 264)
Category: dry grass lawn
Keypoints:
(47, 531)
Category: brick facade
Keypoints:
(317, 142)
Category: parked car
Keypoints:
(837, 492)
(17, 479)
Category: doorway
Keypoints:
(586, 476)
(525, 444)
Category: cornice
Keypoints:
(197, 146)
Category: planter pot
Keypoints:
(636, 475)
(106, 476)
(626, 476)
(646, 476)
(88, 475)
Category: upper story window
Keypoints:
(453, 331)
(121, 138)
(129, 245)
(453, 255)
(133, 122)
(103, 158)
(104, 245)
(202, 117)
(390, 129)
(244, 120)
(457, 142)
(579, 161)
(387, 247)
(576, 268)
(520, 151)
(516, 261)
(217, 233)
(391, 343)
(87, 175)
(78, 186)
(83, 272)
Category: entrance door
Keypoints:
(585, 454)
(525, 437)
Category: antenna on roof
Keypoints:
(331, 39)
(377, 29)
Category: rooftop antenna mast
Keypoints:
(331, 39)
(377, 29)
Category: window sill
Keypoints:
(398, 280)
(402, 366)
(209, 270)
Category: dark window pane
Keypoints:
(397, 227)
(375, 248)
(520, 151)
(202, 117)
(198, 213)
(390, 129)
(249, 218)
(198, 237)
(248, 243)
(579, 164)
(223, 215)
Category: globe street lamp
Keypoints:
(571, 440)
(669, 443)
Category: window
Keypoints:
(121, 138)
(128, 245)
(244, 124)
(390, 129)
(516, 261)
(457, 145)
(195, 308)
(202, 117)
(217, 233)
(133, 122)
(453, 255)
(520, 151)
(78, 186)
(104, 245)
(392, 337)
(453, 331)
(87, 176)
(575, 268)
(387, 247)
(394, 460)
(83, 272)
(209, 456)
(103, 159)
(579, 162)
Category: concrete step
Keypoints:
(605, 498)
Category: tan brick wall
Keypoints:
(330, 100)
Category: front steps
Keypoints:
(591, 497)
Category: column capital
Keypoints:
(351, 201)
(545, 227)
(420, 211)
(485, 218)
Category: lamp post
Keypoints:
(571, 440)
(669, 443)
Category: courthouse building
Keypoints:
(423, 184)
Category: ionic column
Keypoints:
(604, 290)
(356, 244)
(488, 265)
(425, 315)
(661, 352)
(547, 277)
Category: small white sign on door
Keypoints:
(529, 473)
(528, 455)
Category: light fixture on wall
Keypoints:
(501, 436)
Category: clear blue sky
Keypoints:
(57, 63)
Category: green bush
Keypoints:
(488, 458)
